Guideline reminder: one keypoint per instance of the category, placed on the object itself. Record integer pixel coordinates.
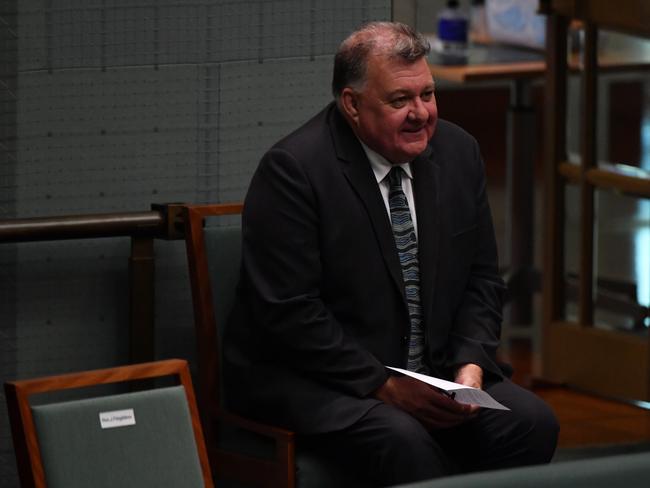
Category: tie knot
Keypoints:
(395, 177)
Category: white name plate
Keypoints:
(117, 418)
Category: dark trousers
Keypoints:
(388, 446)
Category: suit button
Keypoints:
(405, 340)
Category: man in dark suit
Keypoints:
(350, 266)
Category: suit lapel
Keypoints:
(426, 193)
(357, 170)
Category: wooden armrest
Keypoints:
(278, 433)
(278, 470)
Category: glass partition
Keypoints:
(622, 263)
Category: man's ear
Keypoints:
(350, 105)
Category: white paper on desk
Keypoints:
(463, 394)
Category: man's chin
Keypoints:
(414, 149)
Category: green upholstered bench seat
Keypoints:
(625, 471)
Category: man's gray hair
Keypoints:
(391, 39)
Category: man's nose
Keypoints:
(418, 110)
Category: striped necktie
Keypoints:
(407, 249)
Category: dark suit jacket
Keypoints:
(321, 309)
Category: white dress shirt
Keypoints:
(381, 167)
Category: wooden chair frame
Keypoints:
(277, 472)
(28, 454)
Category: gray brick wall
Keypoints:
(111, 105)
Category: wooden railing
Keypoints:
(162, 222)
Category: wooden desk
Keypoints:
(489, 63)
(496, 62)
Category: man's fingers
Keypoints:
(473, 410)
(444, 402)
(429, 405)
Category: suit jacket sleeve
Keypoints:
(282, 261)
(476, 328)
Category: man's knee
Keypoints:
(408, 452)
(528, 433)
(406, 436)
(542, 432)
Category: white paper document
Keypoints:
(460, 393)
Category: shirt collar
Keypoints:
(381, 166)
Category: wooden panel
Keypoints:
(628, 16)
(608, 177)
(571, 172)
(621, 182)
(488, 124)
(626, 107)
(589, 92)
(554, 153)
(610, 363)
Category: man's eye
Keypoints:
(398, 102)
(427, 96)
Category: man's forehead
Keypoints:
(396, 71)
(396, 63)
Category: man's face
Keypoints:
(395, 112)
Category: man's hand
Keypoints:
(470, 375)
(432, 408)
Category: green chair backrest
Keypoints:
(157, 450)
(223, 250)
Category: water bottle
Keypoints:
(452, 33)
